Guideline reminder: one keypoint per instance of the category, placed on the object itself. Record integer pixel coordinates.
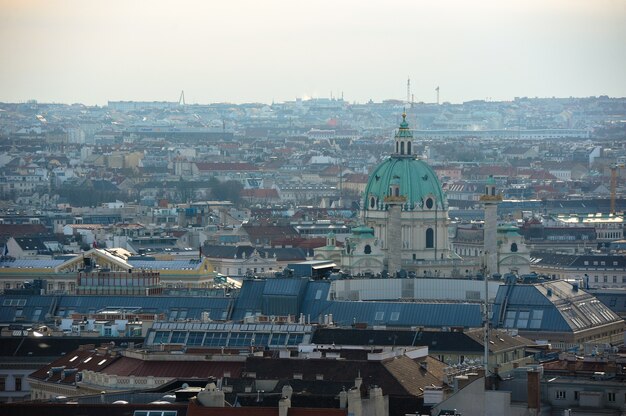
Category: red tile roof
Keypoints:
(127, 366)
(259, 193)
(223, 166)
(21, 230)
(195, 409)
(80, 360)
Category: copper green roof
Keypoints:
(416, 179)
(404, 130)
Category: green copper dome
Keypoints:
(417, 182)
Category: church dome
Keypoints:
(413, 179)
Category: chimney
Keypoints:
(283, 406)
(358, 381)
(343, 399)
(534, 392)
(210, 396)
(355, 407)
(287, 391)
(376, 396)
(460, 382)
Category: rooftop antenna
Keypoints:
(408, 90)
(181, 99)
(437, 89)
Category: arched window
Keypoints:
(408, 148)
(397, 191)
(430, 238)
(397, 150)
(367, 249)
(372, 202)
(513, 247)
(401, 148)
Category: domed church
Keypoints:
(406, 207)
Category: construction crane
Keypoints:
(614, 169)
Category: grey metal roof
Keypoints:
(250, 299)
(192, 264)
(551, 306)
(192, 306)
(284, 287)
(434, 315)
(31, 263)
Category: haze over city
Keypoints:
(246, 51)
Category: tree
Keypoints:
(227, 191)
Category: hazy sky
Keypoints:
(263, 50)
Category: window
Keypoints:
(560, 395)
(178, 337)
(379, 316)
(3, 383)
(394, 316)
(279, 339)
(261, 339)
(522, 319)
(372, 202)
(18, 386)
(430, 238)
(14, 302)
(195, 338)
(161, 337)
(295, 339)
(36, 315)
(510, 319)
(535, 322)
(215, 339)
(513, 248)
(367, 249)
(576, 395)
(429, 203)
(610, 396)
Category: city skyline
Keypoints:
(247, 52)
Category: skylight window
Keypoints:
(102, 361)
(73, 358)
(87, 360)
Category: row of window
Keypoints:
(601, 263)
(226, 339)
(524, 319)
(606, 279)
(17, 383)
(562, 395)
